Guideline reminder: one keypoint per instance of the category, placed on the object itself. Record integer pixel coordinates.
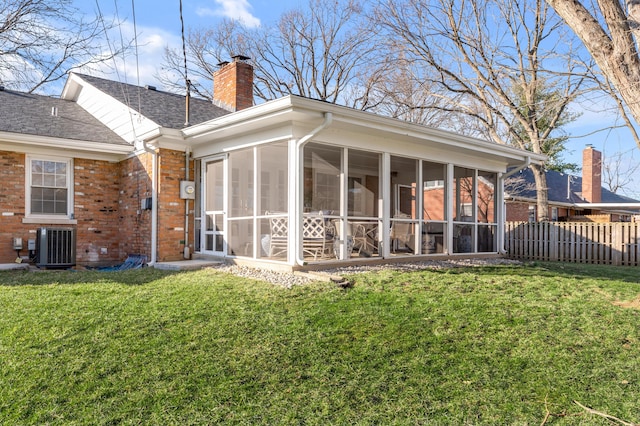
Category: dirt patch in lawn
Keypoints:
(628, 304)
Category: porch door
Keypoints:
(214, 196)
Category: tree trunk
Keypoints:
(615, 52)
(542, 193)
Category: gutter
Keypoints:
(299, 195)
(527, 163)
(154, 202)
(608, 205)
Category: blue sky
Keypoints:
(158, 25)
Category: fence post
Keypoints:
(617, 244)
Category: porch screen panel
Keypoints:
(464, 230)
(486, 212)
(363, 200)
(363, 183)
(240, 232)
(273, 178)
(273, 201)
(404, 213)
(241, 189)
(433, 207)
(322, 168)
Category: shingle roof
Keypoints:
(164, 108)
(563, 188)
(31, 114)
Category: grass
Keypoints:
(491, 345)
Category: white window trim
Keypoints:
(53, 219)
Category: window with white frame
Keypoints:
(49, 186)
(532, 213)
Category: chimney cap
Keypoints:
(237, 58)
(223, 63)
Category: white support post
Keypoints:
(449, 178)
(386, 205)
(498, 193)
(295, 184)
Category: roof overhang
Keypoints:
(26, 143)
(304, 113)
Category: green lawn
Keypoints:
(490, 345)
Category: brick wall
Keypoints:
(96, 210)
(171, 209)
(12, 205)
(134, 221)
(517, 212)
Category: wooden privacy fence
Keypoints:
(613, 243)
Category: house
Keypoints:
(571, 198)
(290, 183)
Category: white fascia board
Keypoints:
(308, 111)
(258, 116)
(163, 137)
(76, 148)
(404, 128)
(601, 206)
(508, 197)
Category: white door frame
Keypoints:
(218, 247)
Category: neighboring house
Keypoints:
(284, 184)
(571, 198)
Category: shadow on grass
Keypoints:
(72, 276)
(628, 274)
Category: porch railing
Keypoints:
(614, 243)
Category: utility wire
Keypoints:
(186, 76)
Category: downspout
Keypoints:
(154, 202)
(328, 119)
(527, 163)
(501, 179)
(187, 251)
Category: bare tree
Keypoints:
(493, 57)
(205, 48)
(618, 171)
(319, 52)
(609, 32)
(41, 40)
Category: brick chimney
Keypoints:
(233, 84)
(592, 175)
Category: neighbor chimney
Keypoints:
(233, 84)
(592, 175)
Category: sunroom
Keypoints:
(297, 183)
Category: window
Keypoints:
(554, 214)
(49, 187)
(532, 213)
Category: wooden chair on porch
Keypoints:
(318, 235)
(278, 238)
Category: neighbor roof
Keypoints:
(164, 108)
(30, 114)
(522, 185)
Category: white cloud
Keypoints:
(238, 10)
(151, 46)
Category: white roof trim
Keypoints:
(294, 108)
(20, 142)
